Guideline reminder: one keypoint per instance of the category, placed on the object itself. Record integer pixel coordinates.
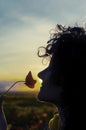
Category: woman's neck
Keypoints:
(71, 117)
(64, 116)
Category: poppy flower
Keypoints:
(29, 81)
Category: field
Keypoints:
(25, 112)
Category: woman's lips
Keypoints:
(42, 86)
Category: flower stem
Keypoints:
(3, 94)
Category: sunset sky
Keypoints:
(24, 26)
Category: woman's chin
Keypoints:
(41, 97)
(41, 94)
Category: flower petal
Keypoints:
(29, 81)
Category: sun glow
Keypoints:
(40, 81)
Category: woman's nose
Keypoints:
(42, 74)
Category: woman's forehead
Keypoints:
(54, 59)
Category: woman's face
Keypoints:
(50, 89)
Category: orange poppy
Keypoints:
(29, 81)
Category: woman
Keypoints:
(64, 79)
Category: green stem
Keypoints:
(3, 94)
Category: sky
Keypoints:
(24, 26)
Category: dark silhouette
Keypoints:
(64, 80)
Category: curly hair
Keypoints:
(63, 35)
(68, 47)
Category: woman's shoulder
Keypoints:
(54, 122)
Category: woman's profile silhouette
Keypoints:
(64, 80)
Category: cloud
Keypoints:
(62, 11)
(18, 48)
(25, 25)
